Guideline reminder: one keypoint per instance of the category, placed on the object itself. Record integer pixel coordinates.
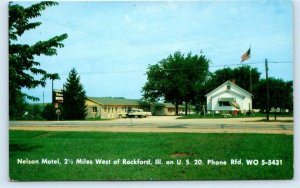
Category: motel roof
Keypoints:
(117, 101)
(108, 101)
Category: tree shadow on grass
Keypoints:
(23, 147)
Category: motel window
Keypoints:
(112, 109)
(94, 109)
(108, 110)
(224, 103)
(105, 109)
(116, 108)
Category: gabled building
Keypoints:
(166, 109)
(110, 108)
(229, 97)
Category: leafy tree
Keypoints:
(220, 76)
(240, 75)
(17, 103)
(176, 79)
(49, 112)
(281, 92)
(153, 90)
(74, 98)
(34, 112)
(24, 71)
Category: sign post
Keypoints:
(58, 97)
(58, 113)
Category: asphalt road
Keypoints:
(163, 124)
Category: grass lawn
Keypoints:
(196, 148)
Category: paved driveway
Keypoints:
(163, 124)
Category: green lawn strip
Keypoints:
(166, 146)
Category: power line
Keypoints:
(175, 69)
(71, 26)
(96, 33)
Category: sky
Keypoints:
(111, 44)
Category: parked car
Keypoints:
(137, 113)
(188, 113)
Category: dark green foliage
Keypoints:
(17, 105)
(242, 77)
(179, 79)
(34, 112)
(22, 65)
(239, 75)
(176, 79)
(49, 112)
(281, 94)
(74, 98)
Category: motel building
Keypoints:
(229, 98)
(111, 108)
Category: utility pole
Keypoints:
(52, 93)
(250, 81)
(267, 88)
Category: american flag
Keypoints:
(246, 55)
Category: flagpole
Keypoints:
(267, 88)
(245, 57)
(250, 71)
(250, 82)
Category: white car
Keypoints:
(137, 113)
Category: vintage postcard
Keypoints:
(151, 90)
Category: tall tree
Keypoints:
(281, 94)
(24, 71)
(74, 98)
(176, 79)
(240, 75)
(246, 77)
(48, 112)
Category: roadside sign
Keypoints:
(58, 96)
(58, 113)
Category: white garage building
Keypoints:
(229, 97)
